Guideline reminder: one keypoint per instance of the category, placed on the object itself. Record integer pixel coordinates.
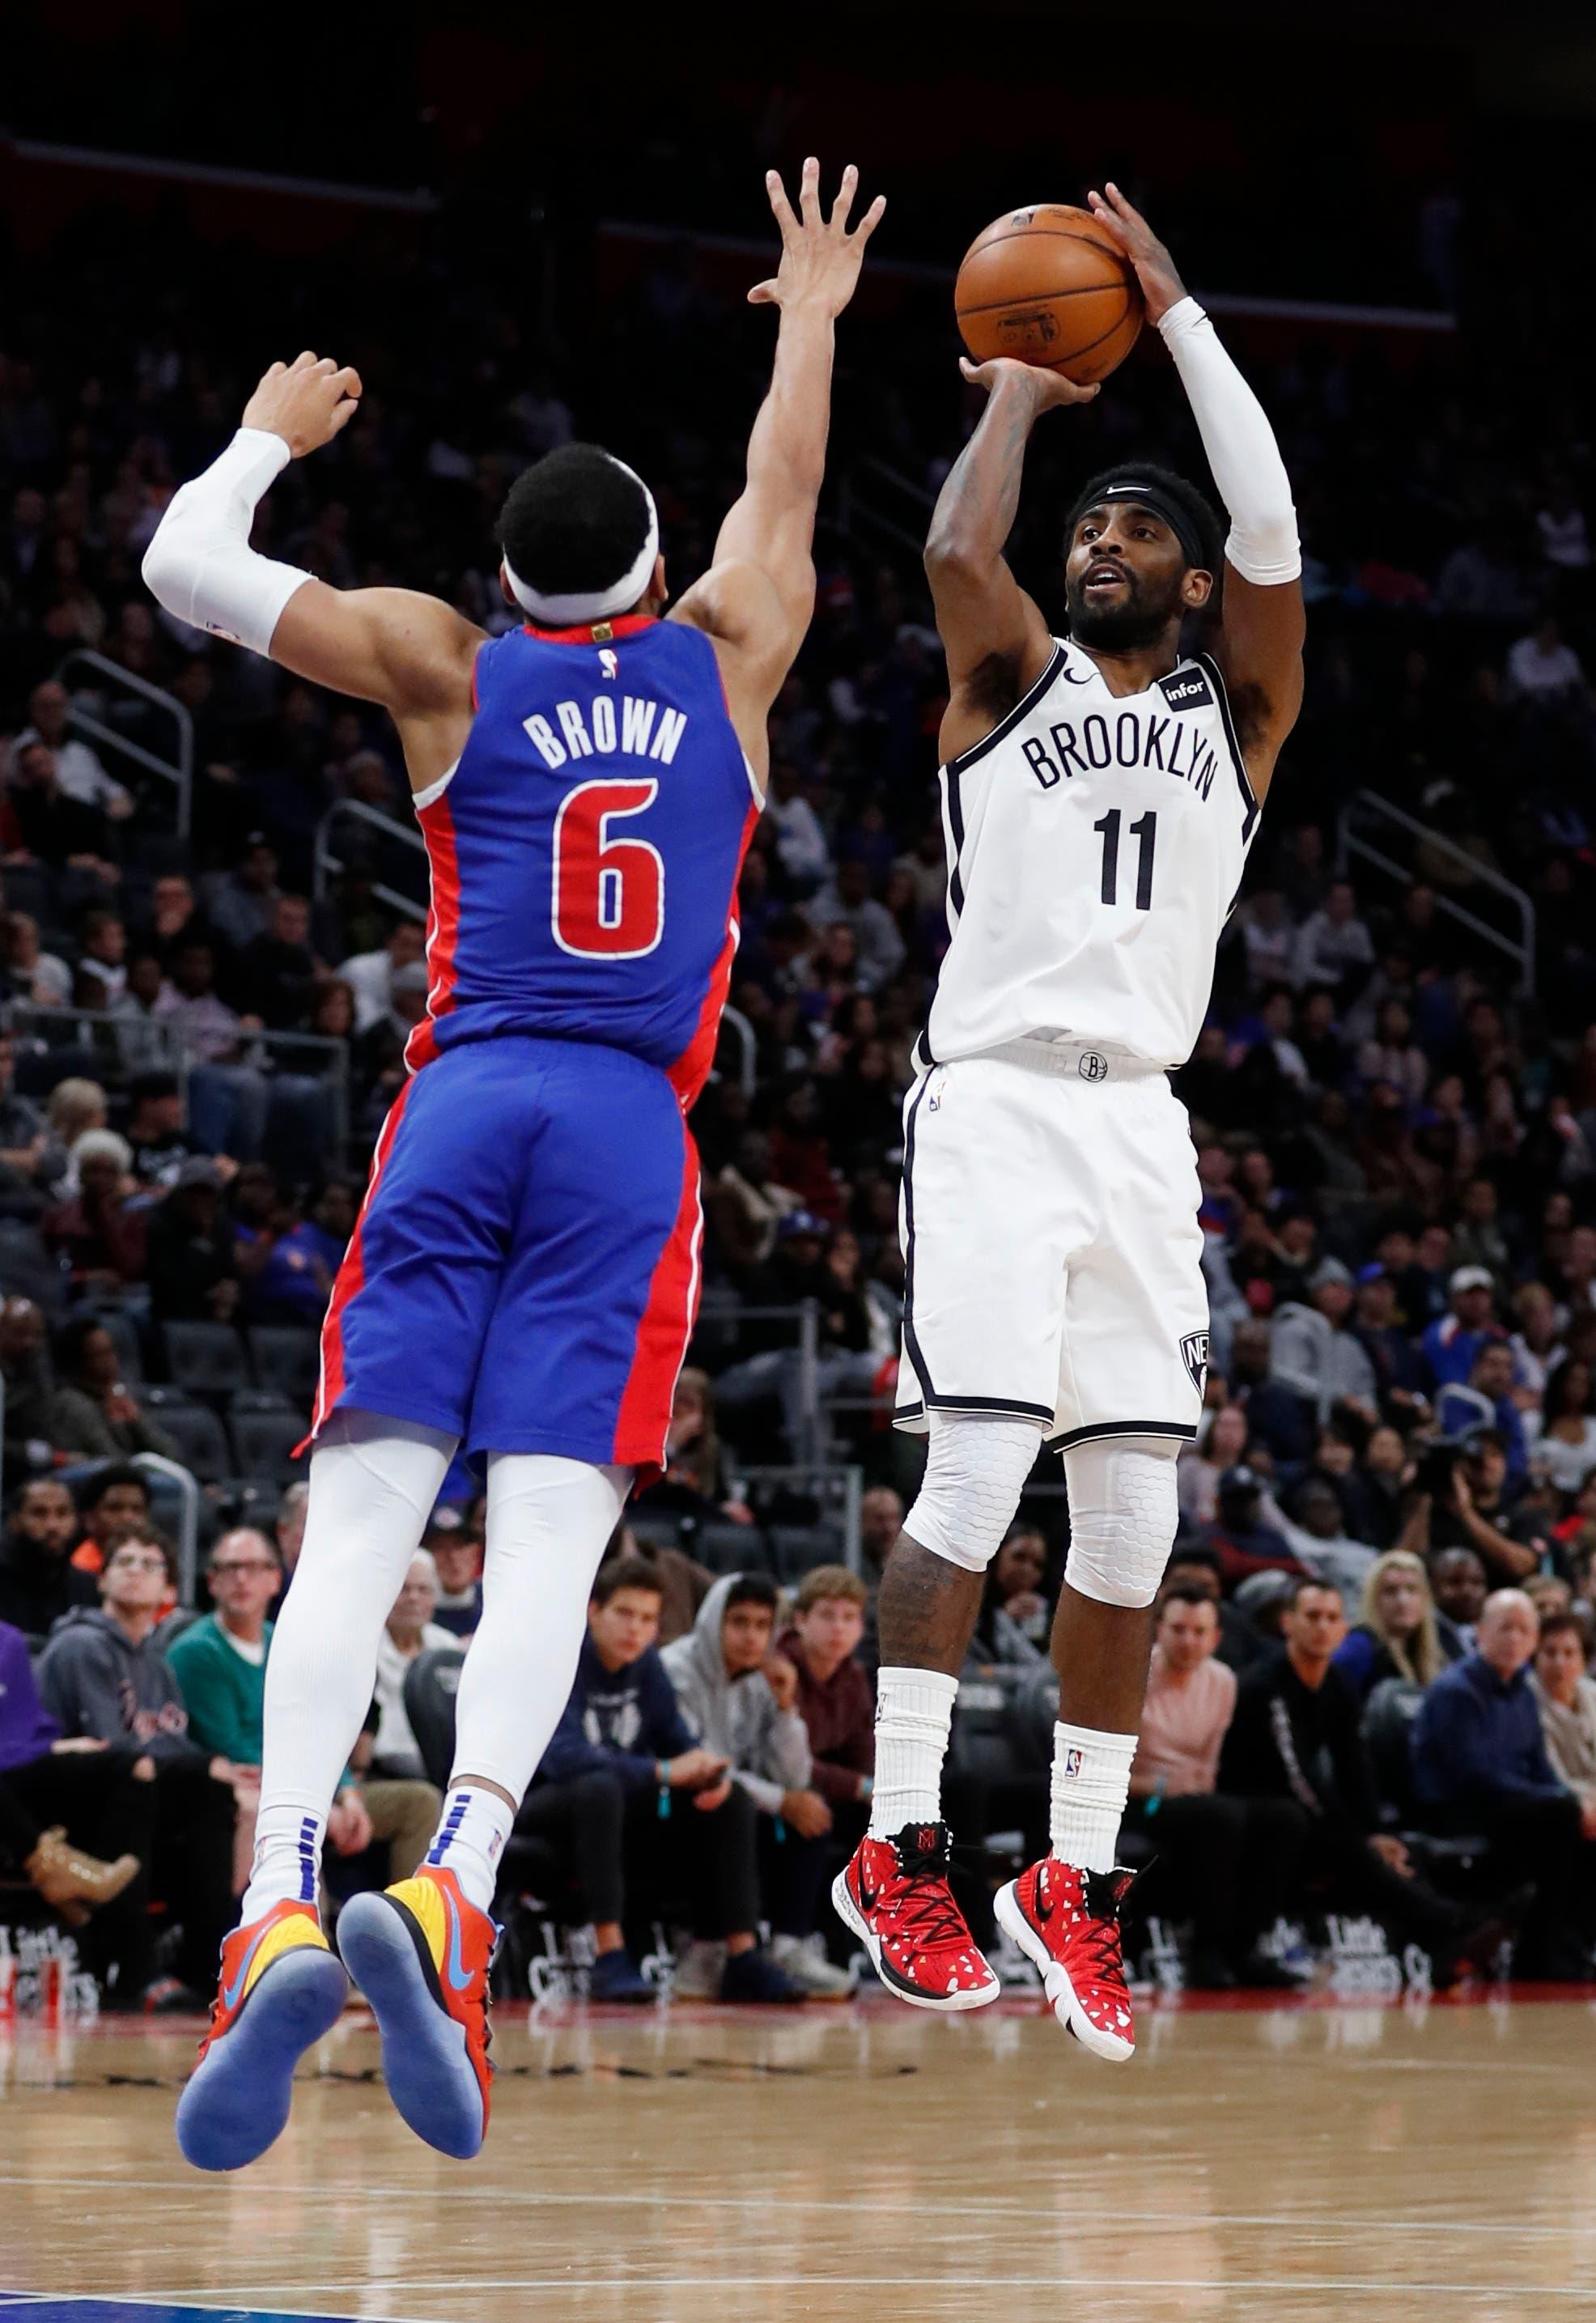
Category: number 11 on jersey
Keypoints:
(1145, 829)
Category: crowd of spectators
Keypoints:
(1395, 1118)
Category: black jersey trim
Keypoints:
(1022, 709)
(911, 1341)
(986, 1407)
(955, 832)
(1073, 1436)
(1243, 781)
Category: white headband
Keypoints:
(594, 605)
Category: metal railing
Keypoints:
(843, 1487)
(187, 1491)
(179, 770)
(329, 866)
(873, 496)
(1368, 807)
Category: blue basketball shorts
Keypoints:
(525, 1271)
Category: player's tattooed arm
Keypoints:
(995, 639)
(757, 597)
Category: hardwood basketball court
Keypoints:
(1426, 2160)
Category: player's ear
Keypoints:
(1195, 589)
(657, 593)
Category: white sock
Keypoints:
(372, 1485)
(1091, 1782)
(548, 1522)
(914, 1713)
(470, 1839)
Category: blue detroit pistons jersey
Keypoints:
(586, 846)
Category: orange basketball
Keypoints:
(1050, 286)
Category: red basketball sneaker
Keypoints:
(1067, 1921)
(894, 1893)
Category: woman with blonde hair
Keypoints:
(1397, 1636)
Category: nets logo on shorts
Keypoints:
(1194, 1354)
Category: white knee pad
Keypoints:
(1122, 1515)
(974, 1472)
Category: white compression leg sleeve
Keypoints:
(548, 1522)
(373, 1483)
(974, 1472)
(1122, 1515)
(1241, 447)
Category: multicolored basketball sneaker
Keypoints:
(894, 1893)
(420, 1953)
(282, 1988)
(1067, 1921)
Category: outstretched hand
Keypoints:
(820, 258)
(1047, 388)
(1161, 285)
(306, 402)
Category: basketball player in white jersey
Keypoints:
(1100, 792)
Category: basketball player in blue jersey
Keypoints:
(524, 1275)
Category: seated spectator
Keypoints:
(1221, 1444)
(1315, 1531)
(277, 968)
(242, 901)
(1471, 1508)
(220, 1664)
(683, 1583)
(294, 1278)
(155, 1130)
(227, 1096)
(78, 766)
(191, 1261)
(834, 1698)
(1240, 1538)
(28, 1384)
(39, 1582)
(1276, 1418)
(1480, 1765)
(1561, 1436)
(1333, 945)
(56, 828)
(114, 1502)
(457, 1556)
(746, 1206)
(102, 962)
(288, 1531)
(1452, 1345)
(1566, 1701)
(95, 1414)
(63, 1805)
(695, 1481)
(1315, 1352)
(25, 1143)
(1295, 1736)
(94, 1232)
(103, 1676)
(1399, 1370)
(409, 1631)
(1372, 1494)
(1225, 1864)
(1460, 1586)
(1014, 1618)
(1194, 1566)
(620, 1755)
(369, 974)
(1397, 1636)
(740, 1699)
(1489, 1400)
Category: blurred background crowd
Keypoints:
(211, 904)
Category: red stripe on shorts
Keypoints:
(351, 1279)
(663, 1333)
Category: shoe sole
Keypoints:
(1055, 1979)
(236, 2102)
(979, 1997)
(426, 2062)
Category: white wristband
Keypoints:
(200, 565)
(1240, 443)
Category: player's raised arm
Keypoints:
(1262, 623)
(412, 654)
(757, 597)
(994, 633)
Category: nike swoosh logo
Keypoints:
(230, 1992)
(454, 1967)
(868, 1898)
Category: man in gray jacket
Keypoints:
(741, 1698)
(1313, 1351)
(103, 1676)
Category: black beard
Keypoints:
(1128, 627)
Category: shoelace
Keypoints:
(1101, 1944)
(927, 1910)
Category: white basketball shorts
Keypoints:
(1052, 1253)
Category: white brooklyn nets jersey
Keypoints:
(1095, 847)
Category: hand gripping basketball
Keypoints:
(819, 260)
(1046, 389)
(1161, 287)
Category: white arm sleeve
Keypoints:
(200, 566)
(1241, 450)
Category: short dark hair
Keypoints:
(574, 522)
(1185, 1592)
(119, 1472)
(1300, 1585)
(625, 1572)
(1565, 1625)
(1201, 521)
(752, 1589)
(147, 1536)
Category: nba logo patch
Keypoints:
(608, 661)
(1194, 1354)
(1072, 1761)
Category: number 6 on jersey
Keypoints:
(609, 894)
